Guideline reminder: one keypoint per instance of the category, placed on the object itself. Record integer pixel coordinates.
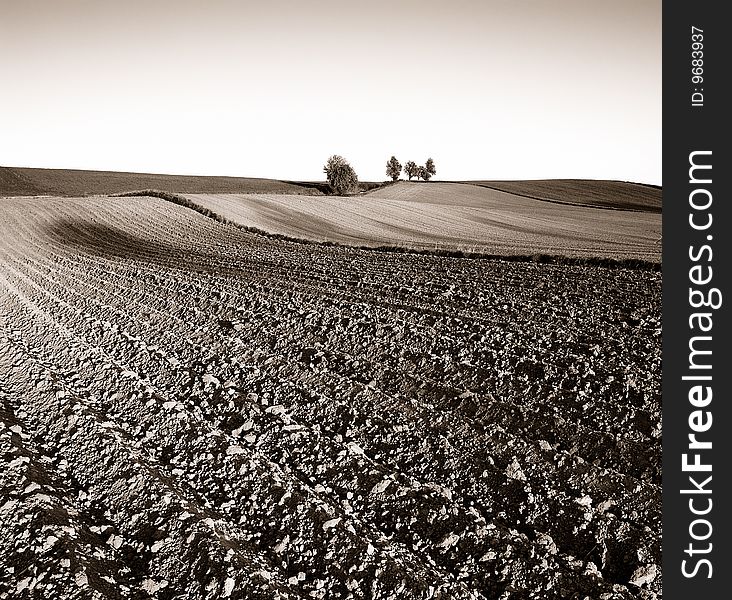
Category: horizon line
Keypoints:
(295, 180)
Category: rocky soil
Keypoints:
(191, 411)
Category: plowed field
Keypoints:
(618, 195)
(449, 216)
(188, 410)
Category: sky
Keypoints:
(490, 89)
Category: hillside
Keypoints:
(556, 217)
(448, 216)
(15, 181)
(619, 195)
(21, 181)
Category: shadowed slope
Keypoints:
(14, 183)
(619, 195)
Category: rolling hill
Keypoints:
(619, 195)
(17, 181)
(555, 217)
(443, 216)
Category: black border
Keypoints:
(688, 128)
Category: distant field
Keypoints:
(448, 216)
(66, 182)
(604, 194)
(558, 217)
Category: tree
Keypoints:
(422, 173)
(430, 168)
(411, 169)
(341, 177)
(393, 168)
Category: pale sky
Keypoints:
(490, 89)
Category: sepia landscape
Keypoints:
(196, 404)
(330, 300)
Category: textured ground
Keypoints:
(191, 411)
(15, 181)
(449, 216)
(585, 192)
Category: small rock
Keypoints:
(605, 506)
(449, 540)
(81, 579)
(31, 488)
(380, 487)
(228, 586)
(22, 584)
(282, 546)
(355, 448)
(150, 586)
(331, 523)
(209, 379)
(514, 471)
(644, 574)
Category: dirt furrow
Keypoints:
(456, 427)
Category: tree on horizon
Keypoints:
(341, 177)
(411, 169)
(393, 168)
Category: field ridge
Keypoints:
(627, 263)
